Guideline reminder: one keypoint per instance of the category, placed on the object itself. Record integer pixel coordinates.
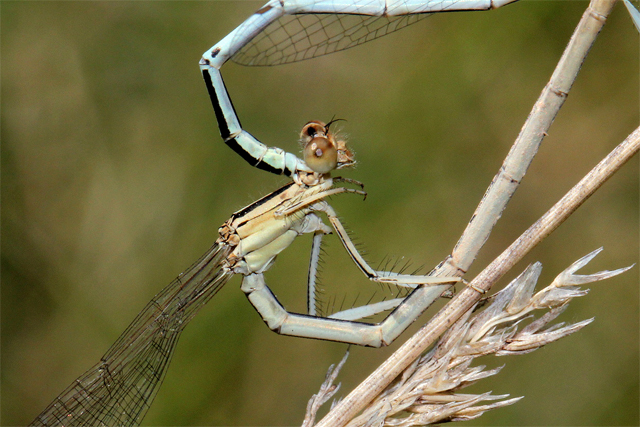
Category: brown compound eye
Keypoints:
(321, 155)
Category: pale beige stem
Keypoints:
(527, 143)
(468, 297)
(534, 129)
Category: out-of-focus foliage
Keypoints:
(114, 179)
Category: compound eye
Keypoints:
(321, 155)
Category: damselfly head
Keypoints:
(321, 152)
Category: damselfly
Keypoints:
(293, 167)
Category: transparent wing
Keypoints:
(119, 390)
(297, 37)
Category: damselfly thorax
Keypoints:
(260, 231)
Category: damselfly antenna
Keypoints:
(332, 121)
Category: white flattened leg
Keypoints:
(355, 313)
(300, 325)
(406, 280)
(358, 313)
(339, 327)
(313, 273)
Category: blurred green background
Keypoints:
(114, 179)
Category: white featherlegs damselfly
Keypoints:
(120, 388)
